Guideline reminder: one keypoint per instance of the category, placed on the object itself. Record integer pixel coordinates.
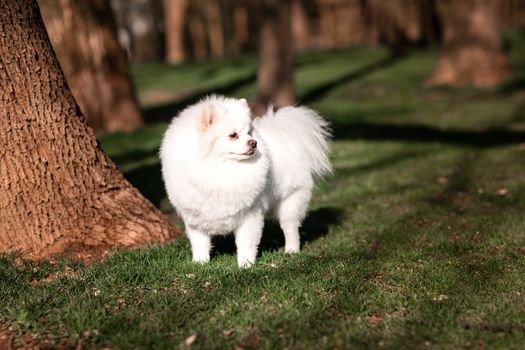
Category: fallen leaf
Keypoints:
(191, 339)
(375, 319)
(502, 192)
(228, 332)
(253, 341)
(442, 180)
(441, 297)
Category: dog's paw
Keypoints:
(244, 262)
(291, 249)
(201, 259)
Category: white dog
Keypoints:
(224, 171)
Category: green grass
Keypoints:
(416, 242)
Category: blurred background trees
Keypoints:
(275, 74)
(173, 31)
(84, 37)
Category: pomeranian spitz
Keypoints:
(225, 171)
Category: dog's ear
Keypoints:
(209, 116)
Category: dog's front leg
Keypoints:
(200, 245)
(247, 238)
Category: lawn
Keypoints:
(418, 240)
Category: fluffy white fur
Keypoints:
(219, 181)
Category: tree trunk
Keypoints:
(215, 30)
(139, 29)
(175, 13)
(197, 30)
(357, 25)
(471, 52)
(59, 193)
(85, 40)
(395, 22)
(300, 25)
(240, 18)
(327, 23)
(275, 75)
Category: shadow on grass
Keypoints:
(423, 133)
(379, 164)
(167, 111)
(322, 90)
(315, 226)
(148, 180)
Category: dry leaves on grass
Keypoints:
(191, 339)
(67, 272)
(376, 318)
(502, 192)
(11, 340)
(441, 297)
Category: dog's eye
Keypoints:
(233, 136)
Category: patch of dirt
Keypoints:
(9, 340)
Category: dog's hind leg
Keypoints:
(290, 213)
(200, 245)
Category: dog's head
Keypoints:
(227, 130)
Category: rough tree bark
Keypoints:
(175, 13)
(59, 193)
(275, 75)
(471, 52)
(84, 36)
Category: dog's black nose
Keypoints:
(252, 143)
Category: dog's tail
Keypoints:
(305, 128)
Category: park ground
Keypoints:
(417, 241)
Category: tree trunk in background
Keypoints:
(471, 52)
(175, 14)
(197, 30)
(240, 16)
(139, 27)
(59, 193)
(85, 40)
(275, 75)
(357, 26)
(343, 27)
(327, 23)
(341, 22)
(513, 13)
(300, 25)
(396, 23)
(430, 30)
(215, 30)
